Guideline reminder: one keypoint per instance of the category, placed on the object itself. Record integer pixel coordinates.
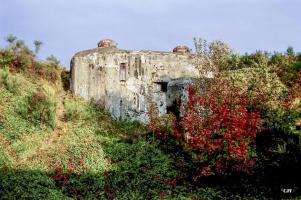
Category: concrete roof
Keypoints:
(116, 50)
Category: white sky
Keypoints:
(68, 26)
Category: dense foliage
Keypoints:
(245, 120)
(217, 125)
(17, 57)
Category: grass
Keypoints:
(20, 133)
(86, 154)
(102, 158)
(54, 145)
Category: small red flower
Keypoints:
(206, 171)
(106, 174)
(161, 195)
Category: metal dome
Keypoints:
(107, 43)
(181, 49)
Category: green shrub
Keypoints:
(40, 107)
(25, 61)
(262, 86)
(281, 119)
(258, 59)
(76, 109)
(287, 67)
(9, 82)
(19, 58)
(139, 167)
(278, 144)
(65, 77)
(49, 72)
(6, 58)
(129, 127)
(78, 186)
(17, 184)
(289, 74)
(5, 160)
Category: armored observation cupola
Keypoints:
(181, 49)
(107, 43)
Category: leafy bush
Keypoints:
(18, 184)
(65, 77)
(258, 59)
(218, 126)
(40, 107)
(10, 83)
(163, 126)
(19, 58)
(286, 66)
(6, 58)
(139, 168)
(282, 119)
(53, 60)
(46, 71)
(289, 74)
(279, 156)
(263, 87)
(78, 186)
(76, 109)
(5, 159)
(211, 56)
(278, 145)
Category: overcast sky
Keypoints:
(68, 26)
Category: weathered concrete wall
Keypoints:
(126, 83)
(177, 95)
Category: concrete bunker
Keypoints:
(127, 83)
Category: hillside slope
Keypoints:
(56, 146)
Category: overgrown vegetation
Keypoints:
(239, 137)
(243, 122)
(17, 57)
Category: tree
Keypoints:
(37, 45)
(290, 51)
(203, 61)
(11, 39)
(201, 46)
(219, 51)
(53, 60)
(20, 44)
(212, 55)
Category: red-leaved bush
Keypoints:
(217, 127)
(162, 126)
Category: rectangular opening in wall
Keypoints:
(122, 72)
(91, 66)
(137, 102)
(163, 86)
(138, 65)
